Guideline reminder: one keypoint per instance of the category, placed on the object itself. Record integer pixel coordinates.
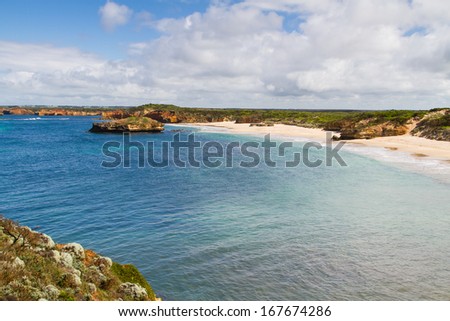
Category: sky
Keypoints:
(331, 54)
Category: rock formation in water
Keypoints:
(34, 268)
(130, 124)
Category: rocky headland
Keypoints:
(34, 268)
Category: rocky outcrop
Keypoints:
(367, 131)
(131, 124)
(262, 124)
(133, 291)
(367, 128)
(115, 114)
(435, 125)
(33, 267)
(162, 116)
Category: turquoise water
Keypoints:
(368, 231)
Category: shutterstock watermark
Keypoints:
(187, 151)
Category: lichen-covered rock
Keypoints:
(70, 280)
(52, 292)
(18, 263)
(75, 249)
(55, 256)
(92, 288)
(66, 259)
(103, 263)
(132, 291)
(74, 271)
(45, 241)
(93, 275)
(76, 280)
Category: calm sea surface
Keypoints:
(368, 231)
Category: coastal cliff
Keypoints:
(73, 111)
(34, 268)
(351, 124)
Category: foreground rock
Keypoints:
(34, 268)
(130, 124)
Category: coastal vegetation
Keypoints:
(435, 125)
(33, 267)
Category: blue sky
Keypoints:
(76, 23)
(366, 54)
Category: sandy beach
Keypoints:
(417, 147)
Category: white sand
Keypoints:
(416, 146)
(312, 134)
(420, 148)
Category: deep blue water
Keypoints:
(367, 231)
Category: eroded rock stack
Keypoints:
(130, 124)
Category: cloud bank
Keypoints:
(340, 54)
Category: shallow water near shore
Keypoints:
(368, 231)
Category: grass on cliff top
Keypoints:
(138, 121)
(129, 273)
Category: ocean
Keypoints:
(371, 230)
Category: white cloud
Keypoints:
(240, 55)
(113, 15)
(42, 74)
(344, 54)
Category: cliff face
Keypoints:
(49, 111)
(33, 267)
(18, 111)
(66, 112)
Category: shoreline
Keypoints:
(279, 130)
(416, 147)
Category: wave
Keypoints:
(435, 168)
(31, 119)
(36, 119)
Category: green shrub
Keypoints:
(129, 273)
